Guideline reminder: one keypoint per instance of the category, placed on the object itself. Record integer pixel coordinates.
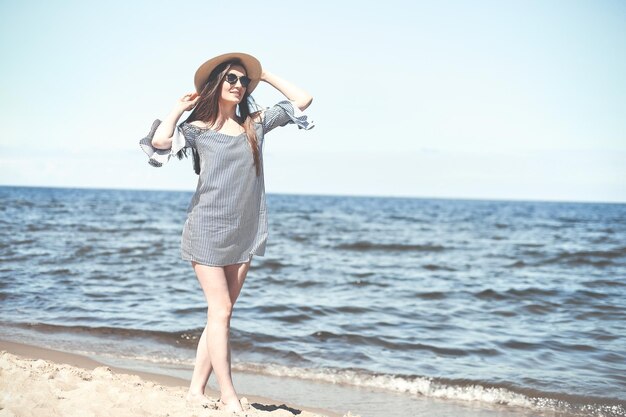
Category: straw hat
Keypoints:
(250, 63)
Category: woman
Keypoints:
(227, 218)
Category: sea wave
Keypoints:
(449, 389)
(396, 247)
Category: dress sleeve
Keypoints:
(183, 138)
(283, 113)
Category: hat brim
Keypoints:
(250, 63)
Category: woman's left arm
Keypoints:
(301, 98)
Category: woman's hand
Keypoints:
(188, 101)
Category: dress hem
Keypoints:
(243, 261)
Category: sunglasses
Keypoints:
(232, 79)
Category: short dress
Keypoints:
(227, 216)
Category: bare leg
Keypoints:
(235, 275)
(221, 286)
(201, 372)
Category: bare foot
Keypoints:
(199, 399)
(231, 404)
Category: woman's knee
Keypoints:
(223, 312)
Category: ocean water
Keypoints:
(500, 302)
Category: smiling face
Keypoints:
(233, 93)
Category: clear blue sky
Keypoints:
(468, 99)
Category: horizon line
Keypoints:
(415, 197)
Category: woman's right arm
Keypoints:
(301, 98)
(165, 132)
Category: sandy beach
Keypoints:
(45, 382)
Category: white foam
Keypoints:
(429, 387)
(416, 386)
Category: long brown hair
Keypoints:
(207, 108)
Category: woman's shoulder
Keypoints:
(257, 117)
(198, 124)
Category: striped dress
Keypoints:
(227, 216)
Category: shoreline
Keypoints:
(52, 368)
(38, 369)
